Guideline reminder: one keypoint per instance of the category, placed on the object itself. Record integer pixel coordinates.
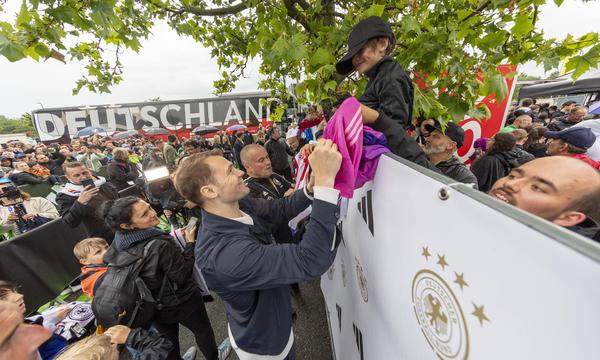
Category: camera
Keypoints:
(10, 195)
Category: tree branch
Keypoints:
(477, 11)
(295, 14)
(228, 10)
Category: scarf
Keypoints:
(125, 240)
(74, 190)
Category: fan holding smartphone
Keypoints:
(82, 195)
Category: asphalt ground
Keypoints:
(310, 327)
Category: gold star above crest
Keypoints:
(442, 261)
(479, 314)
(460, 280)
(426, 253)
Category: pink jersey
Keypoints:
(345, 129)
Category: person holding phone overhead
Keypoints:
(81, 197)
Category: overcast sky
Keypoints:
(173, 67)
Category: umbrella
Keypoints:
(156, 131)
(125, 134)
(89, 131)
(204, 129)
(595, 108)
(237, 127)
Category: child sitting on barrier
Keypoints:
(90, 253)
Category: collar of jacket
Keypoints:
(372, 72)
(453, 161)
(222, 225)
(588, 228)
(126, 239)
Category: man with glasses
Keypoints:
(576, 115)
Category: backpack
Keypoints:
(123, 298)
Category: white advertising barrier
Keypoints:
(428, 270)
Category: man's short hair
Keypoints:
(572, 149)
(568, 103)
(589, 203)
(577, 108)
(527, 102)
(519, 134)
(172, 138)
(192, 174)
(193, 143)
(86, 246)
(244, 154)
(72, 165)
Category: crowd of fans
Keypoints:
(236, 194)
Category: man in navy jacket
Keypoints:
(240, 260)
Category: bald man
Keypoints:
(559, 189)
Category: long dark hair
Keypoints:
(503, 142)
(534, 137)
(117, 212)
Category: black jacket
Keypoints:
(390, 91)
(272, 188)
(54, 164)
(120, 172)
(588, 228)
(237, 150)
(538, 150)
(278, 151)
(520, 155)
(491, 167)
(400, 143)
(165, 258)
(25, 178)
(74, 213)
(151, 344)
(455, 169)
(247, 138)
(560, 124)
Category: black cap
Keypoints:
(364, 31)
(453, 131)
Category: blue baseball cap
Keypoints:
(577, 136)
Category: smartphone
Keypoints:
(88, 182)
(192, 223)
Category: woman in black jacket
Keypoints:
(497, 162)
(134, 223)
(120, 170)
(536, 142)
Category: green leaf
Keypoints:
(331, 85)
(456, 107)
(410, 23)
(13, 52)
(24, 15)
(523, 25)
(495, 84)
(280, 45)
(321, 56)
(559, 2)
(374, 10)
(253, 48)
(42, 50)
